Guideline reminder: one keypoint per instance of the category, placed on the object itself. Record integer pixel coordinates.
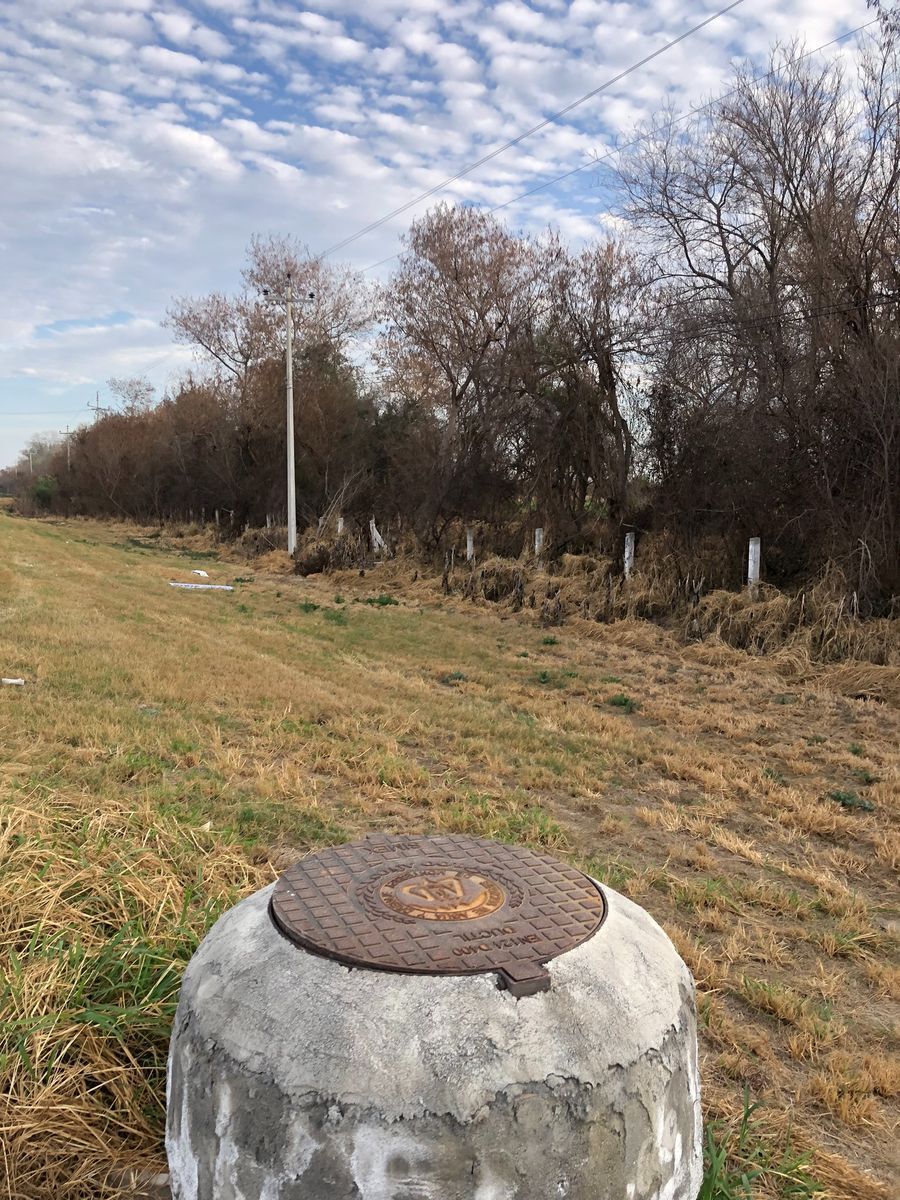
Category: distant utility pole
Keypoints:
(68, 450)
(289, 383)
(95, 407)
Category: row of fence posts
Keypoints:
(379, 546)
(754, 555)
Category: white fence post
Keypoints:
(629, 554)
(378, 542)
(538, 542)
(217, 518)
(753, 556)
(340, 525)
(470, 545)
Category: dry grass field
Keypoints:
(173, 750)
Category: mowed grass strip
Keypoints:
(174, 750)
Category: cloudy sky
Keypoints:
(143, 142)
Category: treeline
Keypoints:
(727, 367)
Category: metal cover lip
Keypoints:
(445, 905)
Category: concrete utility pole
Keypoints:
(289, 381)
(96, 407)
(288, 299)
(68, 450)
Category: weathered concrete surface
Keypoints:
(292, 1077)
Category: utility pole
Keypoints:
(68, 450)
(95, 407)
(288, 300)
(289, 382)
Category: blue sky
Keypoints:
(143, 143)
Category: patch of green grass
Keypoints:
(610, 679)
(308, 606)
(382, 601)
(549, 679)
(817, 740)
(255, 824)
(775, 775)
(243, 579)
(143, 762)
(851, 800)
(335, 615)
(114, 971)
(856, 749)
(700, 894)
(739, 1164)
(125, 989)
(183, 746)
(453, 677)
(549, 641)
(864, 776)
(507, 820)
(625, 703)
(339, 600)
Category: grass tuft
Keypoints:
(740, 1164)
(851, 800)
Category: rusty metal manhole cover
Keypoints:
(439, 905)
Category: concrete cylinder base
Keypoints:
(292, 1077)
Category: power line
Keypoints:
(683, 117)
(593, 162)
(51, 412)
(739, 324)
(467, 170)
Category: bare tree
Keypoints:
(465, 294)
(771, 223)
(581, 367)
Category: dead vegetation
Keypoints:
(799, 634)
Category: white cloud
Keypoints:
(145, 140)
(169, 62)
(176, 26)
(252, 135)
(68, 358)
(521, 19)
(181, 29)
(319, 24)
(193, 150)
